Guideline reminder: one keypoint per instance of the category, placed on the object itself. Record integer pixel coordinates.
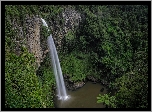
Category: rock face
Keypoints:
(95, 80)
(19, 39)
(71, 19)
(28, 34)
(78, 85)
(72, 85)
(92, 79)
(33, 38)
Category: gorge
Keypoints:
(99, 48)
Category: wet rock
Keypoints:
(78, 85)
(102, 90)
(65, 76)
(70, 81)
(92, 79)
(71, 85)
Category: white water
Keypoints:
(61, 90)
(44, 23)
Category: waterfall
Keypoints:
(61, 90)
(44, 23)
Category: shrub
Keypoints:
(22, 89)
(74, 67)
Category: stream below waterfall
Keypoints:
(84, 97)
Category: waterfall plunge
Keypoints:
(61, 90)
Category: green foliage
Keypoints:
(111, 36)
(111, 43)
(107, 99)
(132, 92)
(116, 37)
(75, 66)
(22, 89)
(47, 82)
(68, 42)
(69, 36)
(44, 32)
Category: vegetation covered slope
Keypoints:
(111, 44)
(24, 87)
(119, 37)
(115, 38)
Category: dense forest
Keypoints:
(110, 44)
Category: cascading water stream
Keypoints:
(61, 90)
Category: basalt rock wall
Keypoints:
(30, 37)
